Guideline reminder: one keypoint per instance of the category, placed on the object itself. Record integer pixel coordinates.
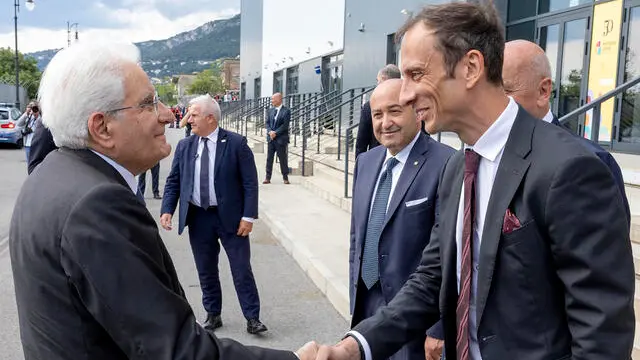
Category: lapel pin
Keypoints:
(223, 140)
(415, 163)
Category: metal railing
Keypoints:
(596, 106)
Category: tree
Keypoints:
(207, 82)
(29, 73)
(166, 93)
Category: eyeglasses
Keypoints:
(153, 103)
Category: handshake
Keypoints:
(347, 349)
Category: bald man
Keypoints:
(278, 137)
(394, 195)
(526, 74)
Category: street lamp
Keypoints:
(30, 5)
(69, 26)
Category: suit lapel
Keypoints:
(221, 146)
(367, 182)
(192, 152)
(415, 161)
(449, 222)
(513, 166)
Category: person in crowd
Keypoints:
(527, 78)
(512, 268)
(278, 118)
(41, 145)
(365, 139)
(93, 278)
(155, 180)
(393, 209)
(214, 179)
(27, 122)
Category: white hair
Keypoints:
(208, 106)
(80, 80)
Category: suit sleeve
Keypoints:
(136, 300)
(352, 237)
(249, 178)
(41, 145)
(414, 309)
(172, 185)
(589, 239)
(365, 129)
(619, 179)
(283, 129)
(268, 122)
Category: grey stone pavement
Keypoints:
(292, 306)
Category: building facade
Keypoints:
(593, 47)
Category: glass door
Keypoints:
(565, 39)
(627, 118)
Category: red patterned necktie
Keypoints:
(471, 162)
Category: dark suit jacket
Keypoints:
(365, 140)
(608, 160)
(93, 278)
(41, 145)
(280, 125)
(236, 180)
(559, 287)
(407, 229)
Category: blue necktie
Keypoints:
(204, 175)
(370, 265)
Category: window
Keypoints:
(553, 5)
(523, 31)
(520, 9)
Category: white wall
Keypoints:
(290, 28)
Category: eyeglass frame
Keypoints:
(139, 106)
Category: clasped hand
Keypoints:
(347, 349)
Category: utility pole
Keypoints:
(69, 26)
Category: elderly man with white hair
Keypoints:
(93, 279)
(214, 178)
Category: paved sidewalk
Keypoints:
(314, 231)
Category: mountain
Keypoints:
(185, 53)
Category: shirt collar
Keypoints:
(279, 107)
(403, 155)
(493, 141)
(213, 136)
(126, 174)
(549, 117)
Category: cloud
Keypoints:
(135, 21)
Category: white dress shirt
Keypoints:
(212, 145)
(490, 147)
(402, 157)
(549, 117)
(277, 112)
(126, 174)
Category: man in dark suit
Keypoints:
(41, 145)
(394, 194)
(93, 279)
(214, 178)
(277, 125)
(366, 139)
(530, 259)
(527, 78)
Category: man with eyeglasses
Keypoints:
(93, 279)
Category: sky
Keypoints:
(124, 20)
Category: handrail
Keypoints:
(596, 106)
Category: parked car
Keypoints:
(10, 133)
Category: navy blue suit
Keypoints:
(410, 216)
(611, 163)
(280, 124)
(236, 188)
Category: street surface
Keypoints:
(293, 309)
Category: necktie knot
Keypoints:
(391, 163)
(471, 161)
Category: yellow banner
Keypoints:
(603, 63)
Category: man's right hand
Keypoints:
(308, 352)
(165, 221)
(347, 349)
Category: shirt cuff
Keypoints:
(248, 219)
(294, 353)
(363, 344)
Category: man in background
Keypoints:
(277, 125)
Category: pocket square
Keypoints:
(415, 202)
(510, 223)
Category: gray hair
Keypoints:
(208, 105)
(390, 71)
(81, 80)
